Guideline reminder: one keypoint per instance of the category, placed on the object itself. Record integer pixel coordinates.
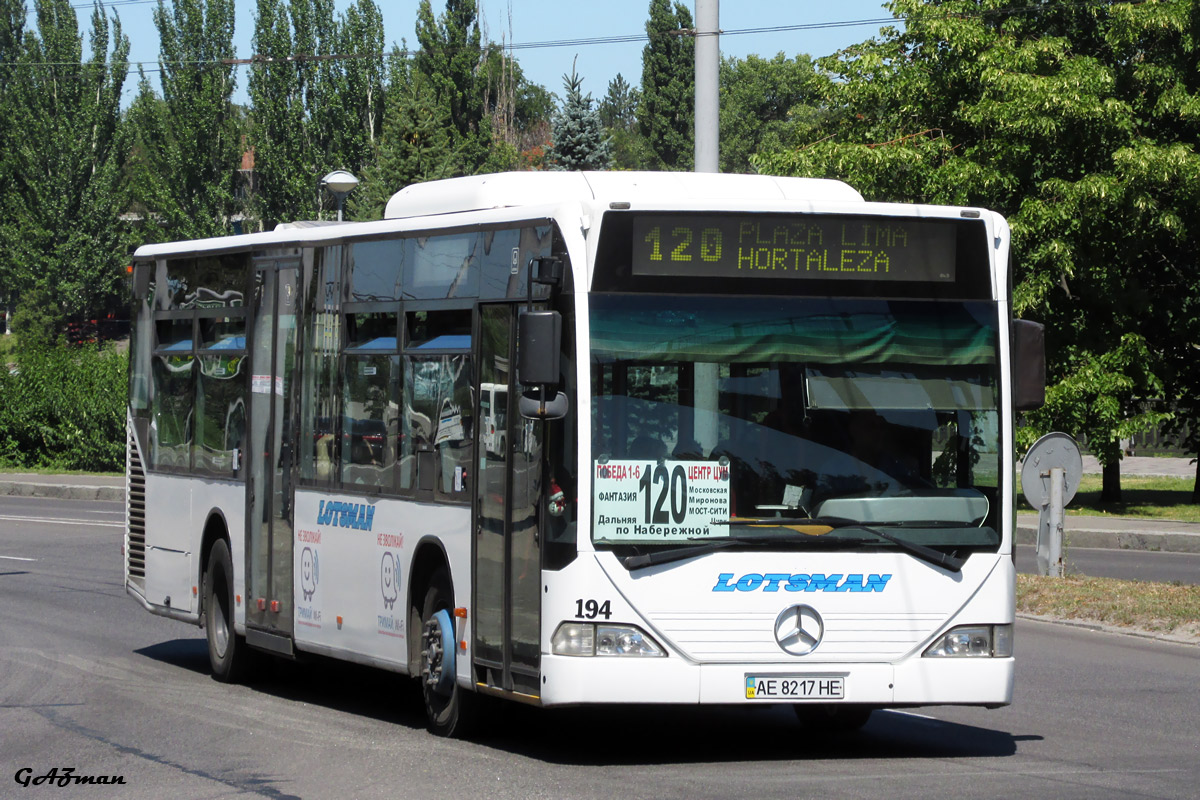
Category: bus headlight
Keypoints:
(588, 639)
(973, 641)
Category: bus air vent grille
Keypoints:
(135, 514)
(713, 637)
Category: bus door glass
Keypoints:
(507, 544)
(269, 539)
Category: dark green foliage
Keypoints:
(668, 99)
(187, 144)
(64, 408)
(578, 136)
(312, 114)
(768, 105)
(618, 114)
(61, 146)
(415, 144)
(449, 59)
(1080, 124)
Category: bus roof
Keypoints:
(507, 189)
(518, 189)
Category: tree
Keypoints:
(767, 104)
(668, 98)
(518, 110)
(618, 115)
(450, 57)
(1079, 124)
(415, 144)
(187, 146)
(316, 86)
(579, 141)
(62, 242)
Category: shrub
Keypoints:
(64, 408)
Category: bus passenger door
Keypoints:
(269, 558)
(507, 547)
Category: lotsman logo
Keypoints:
(346, 515)
(800, 582)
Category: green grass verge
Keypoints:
(1158, 607)
(1149, 497)
(13, 470)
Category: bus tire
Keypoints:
(228, 653)
(450, 710)
(831, 718)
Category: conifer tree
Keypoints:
(579, 141)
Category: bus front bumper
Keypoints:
(570, 680)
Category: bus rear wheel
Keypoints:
(449, 709)
(228, 653)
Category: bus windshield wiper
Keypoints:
(711, 545)
(927, 554)
(704, 546)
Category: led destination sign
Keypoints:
(810, 246)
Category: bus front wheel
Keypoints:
(228, 653)
(450, 710)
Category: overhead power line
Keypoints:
(298, 58)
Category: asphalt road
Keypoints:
(1132, 565)
(90, 681)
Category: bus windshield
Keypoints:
(713, 416)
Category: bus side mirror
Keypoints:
(539, 337)
(539, 340)
(1029, 365)
(141, 279)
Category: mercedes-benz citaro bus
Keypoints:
(757, 444)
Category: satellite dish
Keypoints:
(1050, 451)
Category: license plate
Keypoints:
(795, 687)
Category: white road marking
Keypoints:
(16, 558)
(56, 521)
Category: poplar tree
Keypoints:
(61, 239)
(668, 99)
(449, 58)
(187, 144)
(316, 86)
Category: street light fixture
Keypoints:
(339, 183)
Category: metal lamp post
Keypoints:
(339, 183)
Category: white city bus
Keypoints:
(756, 444)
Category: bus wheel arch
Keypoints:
(428, 560)
(215, 528)
(450, 710)
(229, 655)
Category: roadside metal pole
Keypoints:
(1057, 489)
(708, 59)
(1050, 526)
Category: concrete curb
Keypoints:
(1139, 535)
(1102, 627)
(57, 491)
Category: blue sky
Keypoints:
(532, 21)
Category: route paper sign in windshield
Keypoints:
(648, 501)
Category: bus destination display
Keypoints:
(810, 246)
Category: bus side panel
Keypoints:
(172, 543)
(175, 523)
(353, 563)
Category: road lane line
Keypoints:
(56, 521)
(16, 558)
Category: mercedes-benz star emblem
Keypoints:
(799, 629)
